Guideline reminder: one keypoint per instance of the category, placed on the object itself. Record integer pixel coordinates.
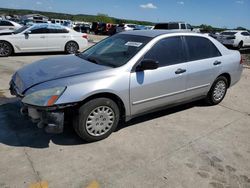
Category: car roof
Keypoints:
(153, 33)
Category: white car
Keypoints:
(6, 24)
(235, 38)
(42, 38)
(125, 27)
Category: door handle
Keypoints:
(217, 62)
(42, 37)
(179, 71)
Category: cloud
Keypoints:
(149, 6)
(239, 2)
(180, 2)
(38, 2)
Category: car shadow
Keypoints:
(164, 112)
(19, 131)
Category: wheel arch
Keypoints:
(108, 95)
(227, 76)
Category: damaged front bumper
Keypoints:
(51, 118)
(52, 121)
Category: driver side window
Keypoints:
(39, 30)
(168, 51)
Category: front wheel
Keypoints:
(97, 119)
(71, 47)
(5, 49)
(217, 91)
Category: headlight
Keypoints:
(44, 97)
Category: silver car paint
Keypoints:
(142, 91)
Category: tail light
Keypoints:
(241, 60)
(85, 36)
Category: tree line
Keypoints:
(97, 18)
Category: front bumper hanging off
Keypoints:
(53, 121)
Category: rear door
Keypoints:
(165, 85)
(57, 37)
(204, 64)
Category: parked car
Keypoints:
(124, 76)
(103, 28)
(6, 24)
(42, 38)
(174, 26)
(125, 27)
(235, 38)
(82, 28)
(149, 27)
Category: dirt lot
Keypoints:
(192, 145)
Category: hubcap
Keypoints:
(72, 47)
(100, 120)
(4, 49)
(219, 90)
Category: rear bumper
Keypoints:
(231, 43)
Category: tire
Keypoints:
(71, 47)
(240, 45)
(5, 49)
(218, 91)
(96, 119)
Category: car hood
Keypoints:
(52, 69)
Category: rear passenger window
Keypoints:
(200, 48)
(245, 34)
(57, 29)
(168, 51)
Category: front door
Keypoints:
(35, 41)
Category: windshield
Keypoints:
(21, 29)
(115, 51)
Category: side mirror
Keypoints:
(147, 64)
(27, 32)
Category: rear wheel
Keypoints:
(217, 91)
(71, 47)
(97, 119)
(5, 49)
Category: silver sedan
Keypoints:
(124, 76)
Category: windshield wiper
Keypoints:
(93, 60)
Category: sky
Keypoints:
(218, 13)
